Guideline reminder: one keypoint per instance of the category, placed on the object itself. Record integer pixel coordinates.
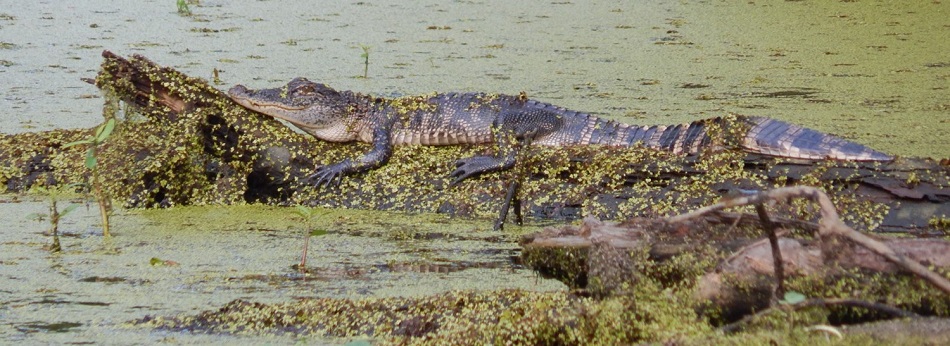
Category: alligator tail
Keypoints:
(752, 134)
(680, 139)
(778, 138)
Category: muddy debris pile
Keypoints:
(742, 262)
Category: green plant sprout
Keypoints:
(365, 57)
(105, 205)
(183, 8)
(308, 215)
(54, 214)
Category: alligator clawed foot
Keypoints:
(330, 175)
(472, 166)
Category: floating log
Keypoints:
(182, 141)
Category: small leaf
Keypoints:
(318, 232)
(68, 209)
(91, 158)
(74, 186)
(70, 144)
(105, 130)
(792, 297)
(158, 262)
(304, 211)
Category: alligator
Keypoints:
(511, 122)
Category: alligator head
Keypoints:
(313, 107)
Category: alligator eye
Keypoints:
(304, 90)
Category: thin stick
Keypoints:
(303, 257)
(741, 252)
(776, 250)
(54, 225)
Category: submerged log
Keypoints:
(182, 141)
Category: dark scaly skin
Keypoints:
(509, 121)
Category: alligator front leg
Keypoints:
(382, 149)
(513, 131)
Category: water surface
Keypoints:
(873, 71)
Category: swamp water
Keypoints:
(873, 71)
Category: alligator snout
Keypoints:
(237, 90)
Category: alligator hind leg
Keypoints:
(475, 165)
(513, 130)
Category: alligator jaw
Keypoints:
(245, 97)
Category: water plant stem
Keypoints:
(92, 163)
(54, 226)
(365, 57)
(104, 203)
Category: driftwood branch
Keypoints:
(830, 225)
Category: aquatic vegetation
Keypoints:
(101, 134)
(309, 216)
(365, 57)
(183, 8)
(55, 214)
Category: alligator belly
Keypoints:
(439, 138)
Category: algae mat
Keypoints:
(187, 260)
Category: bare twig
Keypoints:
(770, 229)
(303, 257)
(742, 252)
(782, 222)
(830, 225)
(734, 223)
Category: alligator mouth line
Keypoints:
(265, 105)
(241, 96)
(263, 108)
